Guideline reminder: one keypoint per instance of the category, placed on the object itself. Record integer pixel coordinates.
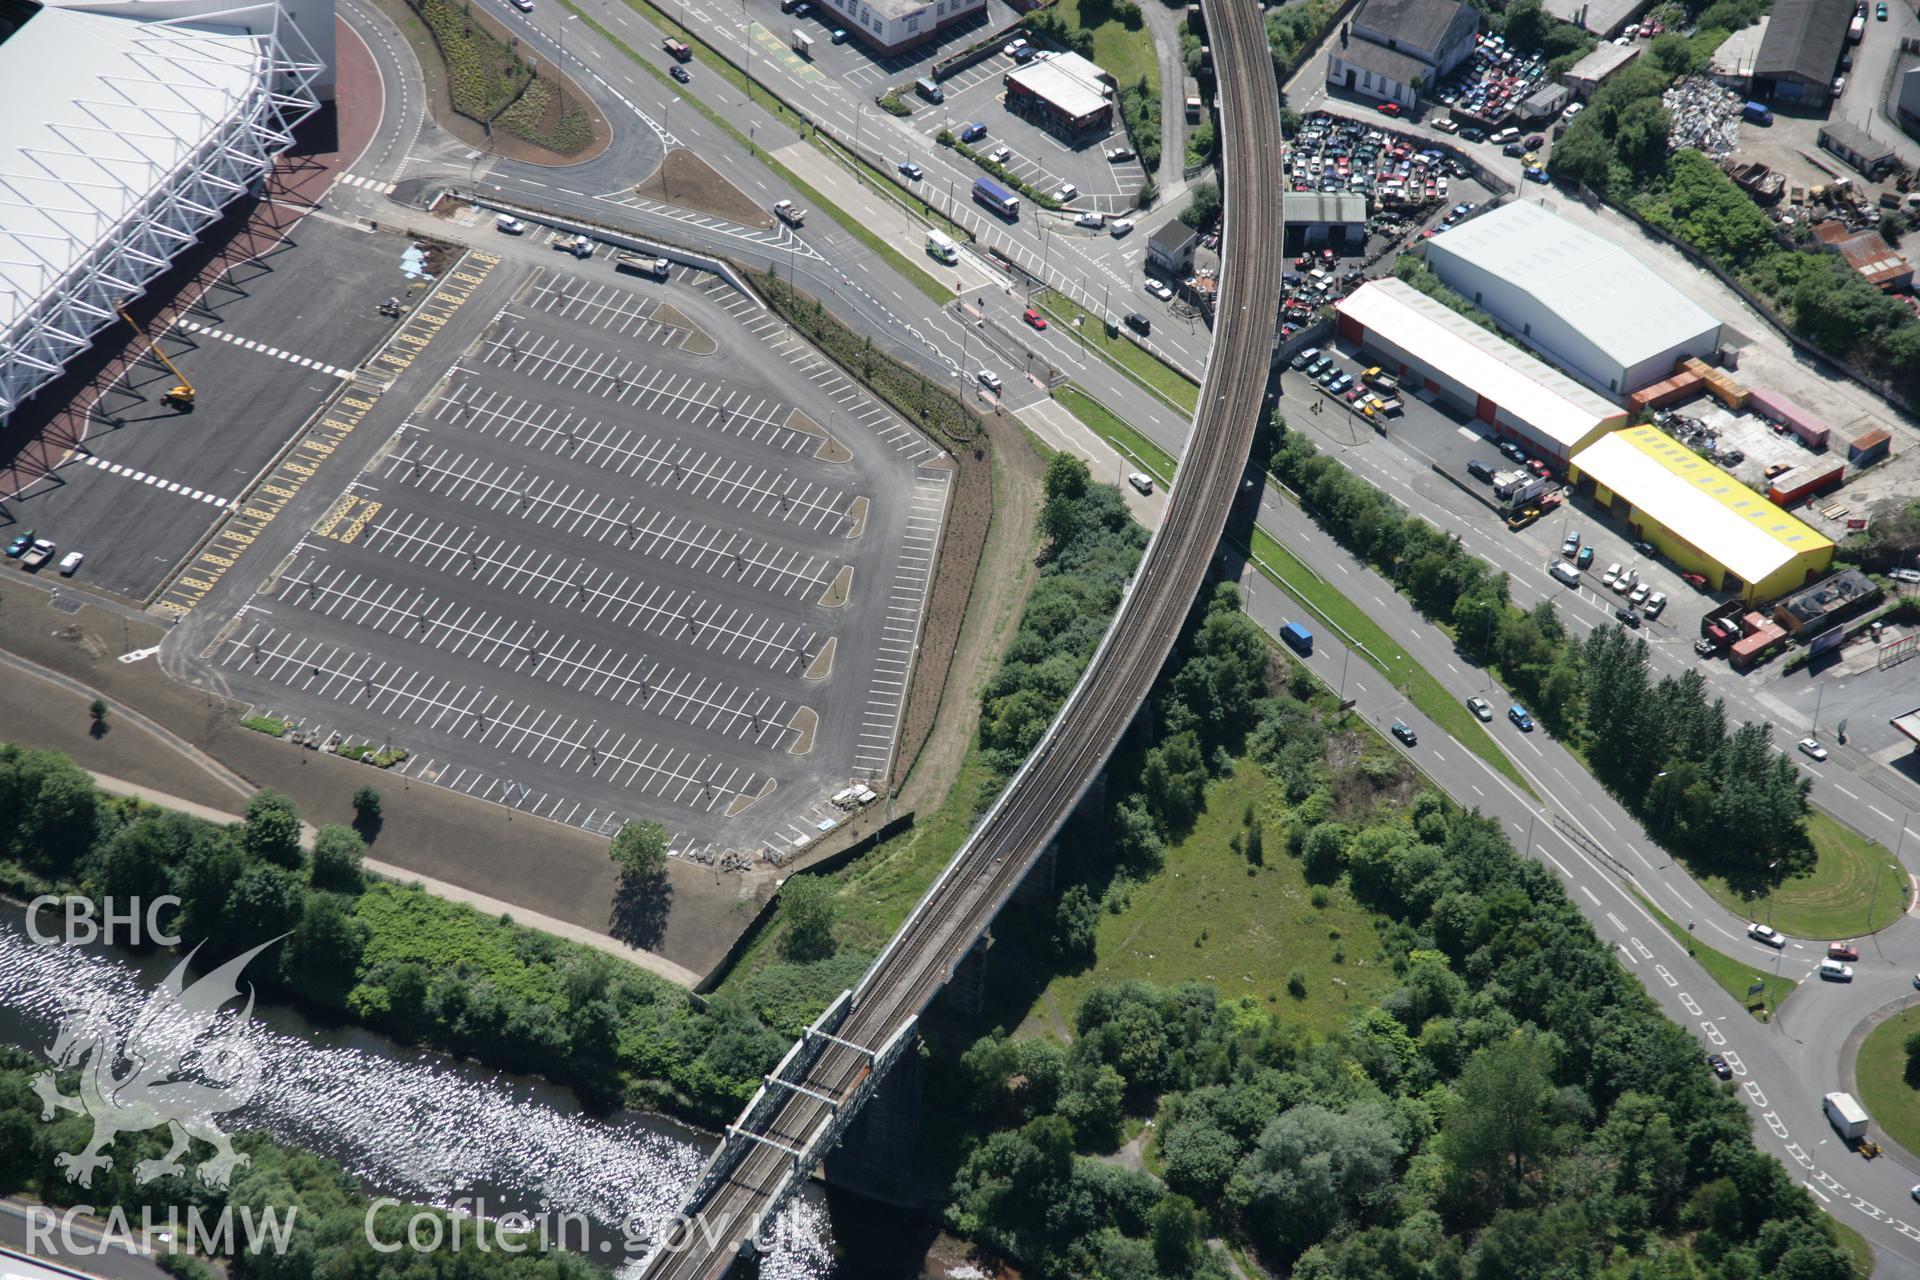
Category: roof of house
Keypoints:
(1804, 39)
(1853, 139)
(1071, 83)
(1605, 59)
(1172, 236)
(1698, 501)
(1421, 24)
(1544, 398)
(1325, 206)
(1604, 293)
(1390, 64)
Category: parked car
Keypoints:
(1904, 575)
(1299, 362)
(1118, 154)
(1481, 708)
(70, 563)
(1520, 718)
(18, 547)
(1627, 617)
(1404, 733)
(1811, 748)
(1091, 221)
(1119, 227)
(1065, 192)
(1034, 318)
(1158, 289)
(1445, 125)
(1585, 558)
(1521, 519)
(1766, 933)
(1655, 603)
(1000, 155)
(1613, 572)
(1013, 50)
(1718, 1065)
(839, 35)
(1534, 173)
(1639, 593)
(1393, 108)
(509, 224)
(1704, 648)
(912, 170)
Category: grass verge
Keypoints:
(1252, 929)
(1106, 424)
(1859, 1252)
(1880, 1075)
(1734, 976)
(705, 55)
(1136, 362)
(1854, 887)
(1286, 571)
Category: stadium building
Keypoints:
(129, 126)
(1582, 302)
(1700, 517)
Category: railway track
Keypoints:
(955, 912)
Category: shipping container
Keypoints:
(1804, 482)
(1680, 386)
(1775, 407)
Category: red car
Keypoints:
(1034, 318)
(1696, 580)
(1842, 951)
(1387, 108)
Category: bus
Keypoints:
(997, 198)
(941, 246)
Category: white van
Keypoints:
(508, 223)
(941, 246)
(1143, 483)
(1565, 572)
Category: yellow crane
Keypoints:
(181, 395)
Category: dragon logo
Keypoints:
(133, 1082)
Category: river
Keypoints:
(411, 1124)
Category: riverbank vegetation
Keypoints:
(1490, 1095)
(323, 1210)
(391, 956)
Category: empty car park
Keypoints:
(632, 557)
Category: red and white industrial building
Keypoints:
(1065, 90)
(1433, 347)
(130, 125)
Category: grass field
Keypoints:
(1106, 424)
(1734, 976)
(1854, 888)
(1125, 52)
(1204, 916)
(1879, 1075)
(1162, 379)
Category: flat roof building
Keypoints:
(1321, 217)
(128, 128)
(1582, 302)
(1831, 600)
(1171, 247)
(1065, 91)
(1431, 347)
(1700, 517)
(1587, 74)
(889, 26)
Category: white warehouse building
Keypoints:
(129, 126)
(1584, 303)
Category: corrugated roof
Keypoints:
(1698, 501)
(1599, 289)
(1419, 23)
(1804, 39)
(101, 110)
(1550, 402)
(1605, 59)
(1325, 206)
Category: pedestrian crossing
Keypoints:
(305, 362)
(141, 477)
(367, 184)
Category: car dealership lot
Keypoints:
(622, 562)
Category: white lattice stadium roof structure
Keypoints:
(125, 128)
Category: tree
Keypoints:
(338, 852)
(97, 713)
(1203, 205)
(1179, 1234)
(1317, 1171)
(1499, 1125)
(1075, 921)
(639, 849)
(366, 811)
(322, 957)
(809, 906)
(1583, 154)
(270, 830)
(1912, 1072)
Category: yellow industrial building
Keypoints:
(1698, 516)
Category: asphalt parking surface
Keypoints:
(1040, 158)
(637, 555)
(854, 63)
(263, 349)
